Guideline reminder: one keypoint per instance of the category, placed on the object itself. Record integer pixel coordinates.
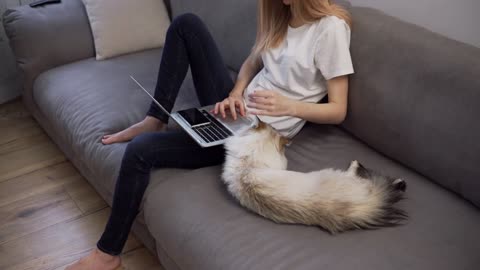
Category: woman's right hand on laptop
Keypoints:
(231, 104)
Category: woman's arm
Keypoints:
(267, 102)
(333, 112)
(252, 65)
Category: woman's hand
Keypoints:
(232, 102)
(271, 103)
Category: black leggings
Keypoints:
(188, 43)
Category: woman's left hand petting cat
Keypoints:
(271, 103)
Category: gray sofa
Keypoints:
(413, 113)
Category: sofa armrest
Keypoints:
(45, 37)
(415, 97)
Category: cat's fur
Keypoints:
(255, 174)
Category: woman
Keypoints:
(301, 54)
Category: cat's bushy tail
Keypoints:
(334, 200)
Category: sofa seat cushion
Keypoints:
(199, 226)
(85, 100)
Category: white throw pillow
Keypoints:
(125, 26)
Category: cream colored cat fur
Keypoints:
(255, 174)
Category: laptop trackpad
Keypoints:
(236, 125)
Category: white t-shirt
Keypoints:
(300, 66)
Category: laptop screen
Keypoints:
(194, 117)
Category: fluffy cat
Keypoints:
(255, 174)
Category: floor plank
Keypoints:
(23, 143)
(16, 122)
(50, 216)
(57, 245)
(140, 259)
(27, 155)
(24, 147)
(35, 213)
(60, 175)
(13, 109)
(84, 195)
(22, 128)
(37, 182)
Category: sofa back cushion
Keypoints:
(415, 97)
(49, 36)
(138, 33)
(233, 24)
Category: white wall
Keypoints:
(457, 19)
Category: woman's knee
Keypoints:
(137, 150)
(186, 21)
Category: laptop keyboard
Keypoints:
(212, 132)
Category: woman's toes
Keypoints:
(108, 140)
(127, 134)
(96, 260)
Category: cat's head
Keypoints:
(261, 146)
(359, 170)
(267, 133)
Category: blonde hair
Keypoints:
(273, 17)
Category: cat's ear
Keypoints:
(261, 125)
(352, 169)
(357, 169)
(400, 184)
(284, 141)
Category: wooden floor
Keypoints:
(49, 214)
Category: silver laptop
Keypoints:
(204, 127)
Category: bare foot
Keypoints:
(148, 124)
(97, 260)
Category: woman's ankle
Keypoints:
(151, 120)
(105, 257)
